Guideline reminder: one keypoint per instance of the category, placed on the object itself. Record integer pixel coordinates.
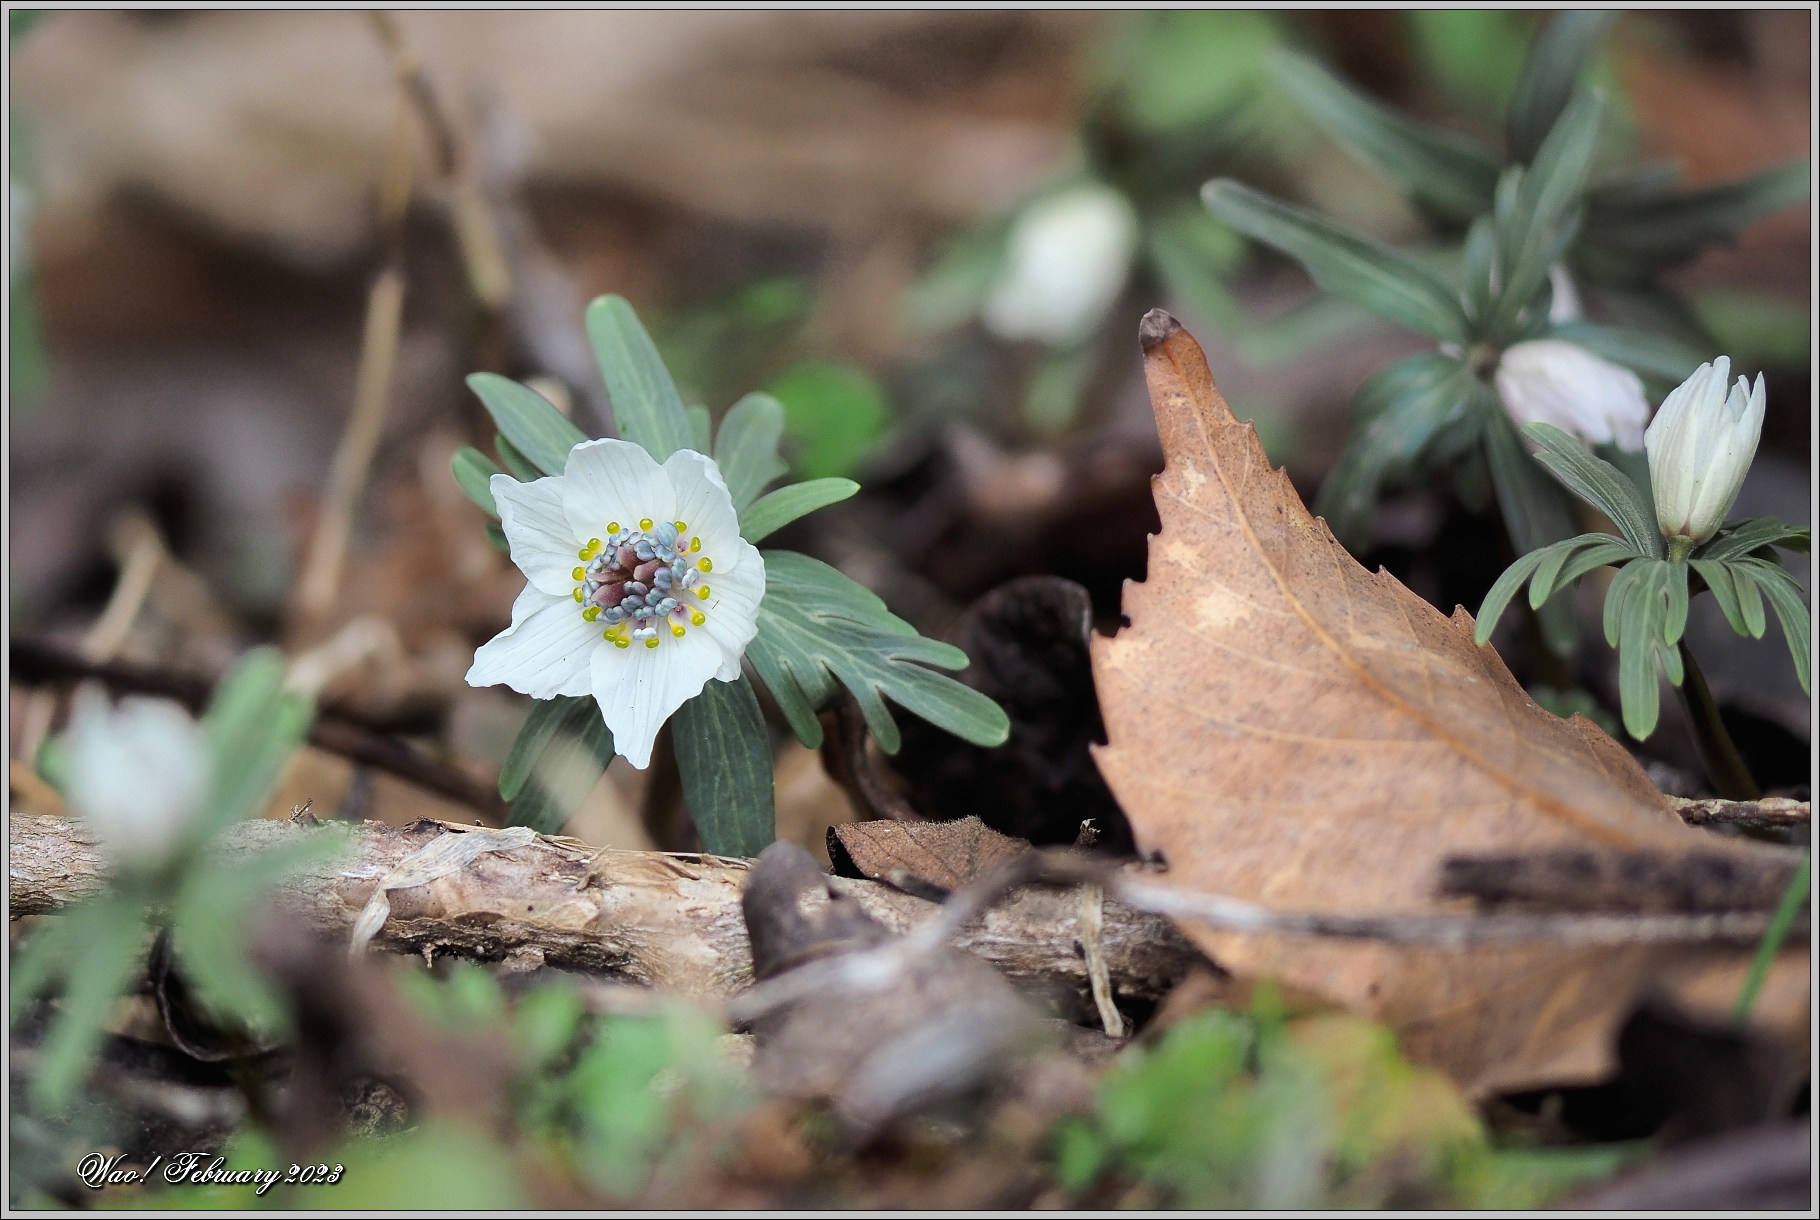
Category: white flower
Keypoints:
(1700, 448)
(1564, 305)
(1555, 382)
(641, 588)
(1065, 262)
(138, 775)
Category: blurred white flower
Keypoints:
(1066, 260)
(137, 774)
(1700, 447)
(618, 552)
(1564, 305)
(1555, 382)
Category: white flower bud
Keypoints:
(138, 775)
(1066, 260)
(1552, 381)
(1700, 447)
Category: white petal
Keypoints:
(639, 688)
(731, 609)
(544, 653)
(609, 480)
(1556, 382)
(704, 504)
(542, 541)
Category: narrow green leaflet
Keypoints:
(576, 748)
(1785, 599)
(105, 940)
(211, 915)
(1362, 271)
(1479, 268)
(497, 536)
(1646, 353)
(548, 717)
(1740, 538)
(1450, 173)
(818, 630)
(1637, 233)
(701, 429)
(1505, 588)
(646, 406)
(772, 512)
(1557, 58)
(1399, 410)
(526, 418)
(1535, 509)
(472, 470)
(746, 448)
(1600, 484)
(254, 725)
(517, 464)
(1738, 600)
(1543, 216)
(724, 756)
(1642, 609)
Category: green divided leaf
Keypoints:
(701, 429)
(526, 418)
(472, 471)
(746, 448)
(1738, 599)
(1451, 173)
(1400, 410)
(818, 630)
(1356, 268)
(1600, 484)
(724, 756)
(1548, 570)
(774, 511)
(1559, 56)
(646, 406)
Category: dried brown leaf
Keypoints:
(1288, 728)
(941, 854)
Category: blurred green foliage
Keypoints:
(834, 413)
(1236, 1111)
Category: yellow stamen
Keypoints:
(621, 643)
(578, 595)
(698, 618)
(644, 523)
(706, 565)
(591, 613)
(612, 527)
(695, 544)
(584, 553)
(702, 592)
(578, 574)
(651, 643)
(682, 527)
(677, 630)
(594, 545)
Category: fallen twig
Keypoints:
(624, 916)
(1770, 813)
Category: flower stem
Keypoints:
(1792, 900)
(1725, 767)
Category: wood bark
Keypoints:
(661, 920)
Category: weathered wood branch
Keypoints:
(644, 917)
